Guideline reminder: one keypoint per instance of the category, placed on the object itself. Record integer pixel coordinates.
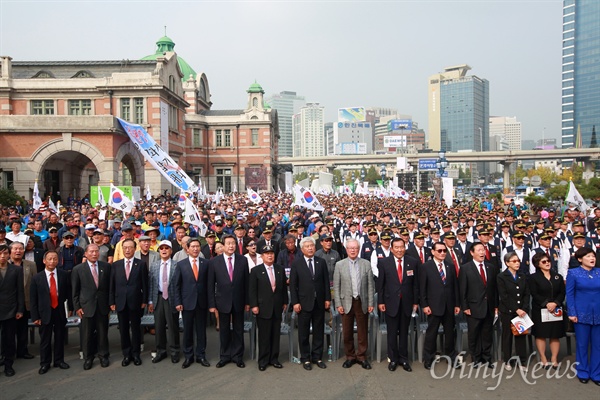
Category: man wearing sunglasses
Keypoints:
(439, 301)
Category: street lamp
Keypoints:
(363, 173)
(383, 173)
(441, 163)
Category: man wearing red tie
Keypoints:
(479, 302)
(50, 289)
(452, 258)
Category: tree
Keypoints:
(301, 176)
(9, 197)
(372, 175)
(536, 201)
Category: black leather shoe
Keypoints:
(203, 361)
(596, 382)
(26, 356)
(137, 360)
(62, 365)
(9, 371)
(406, 367)
(240, 364)
(222, 363)
(348, 363)
(262, 367)
(126, 361)
(366, 364)
(88, 364)
(277, 365)
(307, 366)
(104, 362)
(427, 366)
(584, 380)
(44, 369)
(159, 358)
(187, 363)
(320, 364)
(174, 359)
(392, 366)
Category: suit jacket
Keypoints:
(207, 253)
(270, 303)
(275, 244)
(391, 291)
(12, 298)
(189, 292)
(29, 270)
(304, 289)
(494, 256)
(245, 241)
(459, 257)
(513, 294)
(412, 251)
(474, 295)
(153, 256)
(129, 293)
(40, 296)
(466, 254)
(342, 284)
(154, 282)
(224, 294)
(440, 297)
(86, 295)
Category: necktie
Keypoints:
(271, 277)
(454, 261)
(165, 282)
(442, 274)
(95, 274)
(240, 246)
(53, 291)
(548, 253)
(310, 267)
(230, 267)
(127, 269)
(195, 268)
(400, 270)
(487, 253)
(482, 273)
(421, 256)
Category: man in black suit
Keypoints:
(311, 296)
(492, 253)
(268, 299)
(228, 293)
(49, 290)
(241, 240)
(398, 289)
(463, 246)
(438, 288)
(129, 296)
(454, 254)
(191, 299)
(479, 302)
(267, 240)
(418, 250)
(12, 306)
(91, 286)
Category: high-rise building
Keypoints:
(507, 128)
(580, 72)
(308, 131)
(287, 104)
(458, 110)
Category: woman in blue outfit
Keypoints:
(583, 302)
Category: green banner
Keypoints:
(106, 192)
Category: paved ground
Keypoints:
(169, 381)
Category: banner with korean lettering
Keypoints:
(156, 156)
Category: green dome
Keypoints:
(266, 105)
(255, 88)
(165, 44)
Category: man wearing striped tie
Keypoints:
(439, 301)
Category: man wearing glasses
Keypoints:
(439, 301)
(69, 255)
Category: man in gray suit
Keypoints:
(162, 290)
(354, 289)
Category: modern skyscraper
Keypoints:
(458, 110)
(308, 131)
(581, 72)
(287, 104)
(507, 128)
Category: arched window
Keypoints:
(254, 102)
(83, 74)
(43, 75)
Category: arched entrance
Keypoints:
(130, 165)
(67, 173)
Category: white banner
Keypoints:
(37, 201)
(448, 191)
(118, 200)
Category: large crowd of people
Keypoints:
(478, 262)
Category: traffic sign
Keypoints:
(525, 181)
(536, 180)
(427, 164)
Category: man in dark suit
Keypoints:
(438, 288)
(418, 250)
(49, 290)
(129, 296)
(492, 254)
(463, 246)
(479, 302)
(161, 292)
(228, 293)
(17, 251)
(241, 240)
(91, 286)
(191, 299)
(311, 296)
(12, 306)
(398, 289)
(454, 254)
(267, 240)
(268, 299)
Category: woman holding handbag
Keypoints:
(583, 300)
(547, 293)
(513, 291)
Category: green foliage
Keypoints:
(300, 176)
(372, 175)
(498, 196)
(536, 201)
(9, 197)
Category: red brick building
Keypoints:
(58, 126)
